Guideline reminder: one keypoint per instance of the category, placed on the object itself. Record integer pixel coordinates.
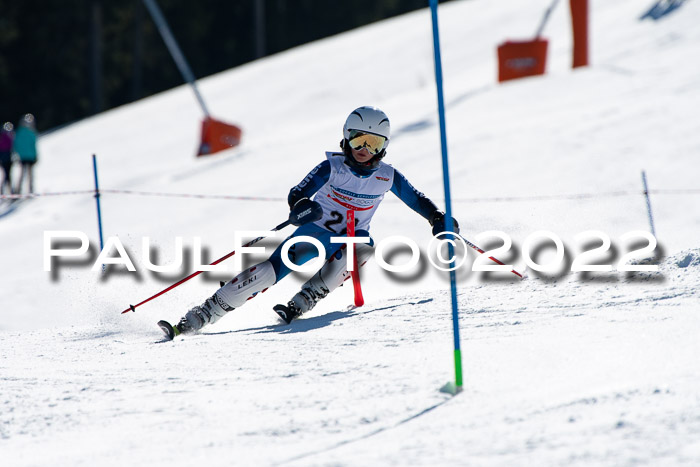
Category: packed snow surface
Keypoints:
(561, 368)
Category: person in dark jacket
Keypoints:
(25, 147)
(7, 136)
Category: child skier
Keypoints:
(355, 179)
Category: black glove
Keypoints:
(305, 211)
(437, 220)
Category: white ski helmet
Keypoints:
(366, 119)
(369, 120)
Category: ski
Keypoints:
(169, 331)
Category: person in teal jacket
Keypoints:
(25, 147)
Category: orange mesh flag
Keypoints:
(521, 58)
(217, 136)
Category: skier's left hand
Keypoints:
(305, 211)
(437, 220)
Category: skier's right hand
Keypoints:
(437, 220)
(305, 211)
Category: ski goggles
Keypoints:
(373, 143)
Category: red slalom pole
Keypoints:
(471, 245)
(355, 273)
(196, 273)
(579, 23)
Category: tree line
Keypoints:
(64, 60)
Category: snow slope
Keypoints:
(574, 369)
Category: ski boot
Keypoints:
(183, 327)
(287, 312)
(313, 291)
(210, 311)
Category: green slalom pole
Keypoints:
(448, 202)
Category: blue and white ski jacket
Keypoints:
(338, 189)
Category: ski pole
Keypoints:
(196, 273)
(545, 18)
(471, 245)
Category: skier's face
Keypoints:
(361, 155)
(365, 146)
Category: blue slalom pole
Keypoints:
(646, 195)
(448, 198)
(97, 199)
